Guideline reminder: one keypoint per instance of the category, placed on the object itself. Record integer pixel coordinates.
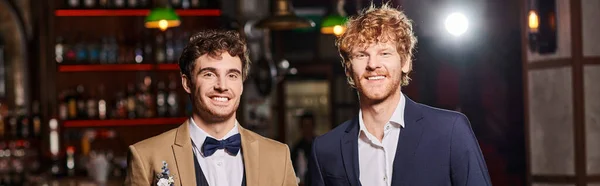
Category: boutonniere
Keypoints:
(164, 179)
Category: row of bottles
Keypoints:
(20, 134)
(140, 102)
(161, 48)
(18, 124)
(90, 153)
(139, 4)
(18, 160)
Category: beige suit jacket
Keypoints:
(266, 162)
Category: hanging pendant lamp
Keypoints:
(162, 17)
(335, 23)
(284, 18)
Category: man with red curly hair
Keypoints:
(393, 140)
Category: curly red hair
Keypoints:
(378, 25)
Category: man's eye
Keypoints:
(359, 56)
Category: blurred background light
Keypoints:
(456, 24)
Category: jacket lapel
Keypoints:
(349, 146)
(250, 153)
(184, 157)
(407, 142)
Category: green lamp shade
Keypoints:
(334, 24)
(162, 18)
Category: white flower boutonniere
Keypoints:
(164, 179)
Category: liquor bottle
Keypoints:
(123, 50)
(148, 54)
(91, 107)
(2, 126)
(140, 106)
(59, 52)
(197, 4)
(18, 163)
(120, 110)
(70, 151)
(71, 104)
(93, 52)
(172, 99)
(103, 4)
(161, 100)
(113, 52)
(131, 101)
(89, 3)
(160, 49)
(169, 47)
(73, 3)
(175, 3)
(118, 4)
(143, 3)
(63, 108)
(102, 106)
(12, 122)
(5, 161)
(149, 99)
(81, 51)
(133, 3)
(70, 54)
(139, 53)
(81, 102)
(36, 120)
(10, 125)
(180, 44)
(104, 51)
(23, 123)
(185, 4)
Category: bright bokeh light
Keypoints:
(534, 21)
(163, 25)
(456, 24)
(338, 30)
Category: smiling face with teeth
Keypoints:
(215, 86)
(376, 70)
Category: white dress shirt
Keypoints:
(220, 168)
(376, 159)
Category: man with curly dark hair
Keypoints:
(393, 140)
(211, 148)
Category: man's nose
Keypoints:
(221, 84)
(373, 63)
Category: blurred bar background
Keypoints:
(81, 80)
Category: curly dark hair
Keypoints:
(374, 25)
(214, 42)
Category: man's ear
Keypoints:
(186, 83)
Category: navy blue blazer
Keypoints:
(435, 148)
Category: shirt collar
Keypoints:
(397, 119)
(198, 135)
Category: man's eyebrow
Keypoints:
(210, 69)
(359, 52)
(234, 70)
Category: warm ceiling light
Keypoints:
(162, 18)
(283, 18)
